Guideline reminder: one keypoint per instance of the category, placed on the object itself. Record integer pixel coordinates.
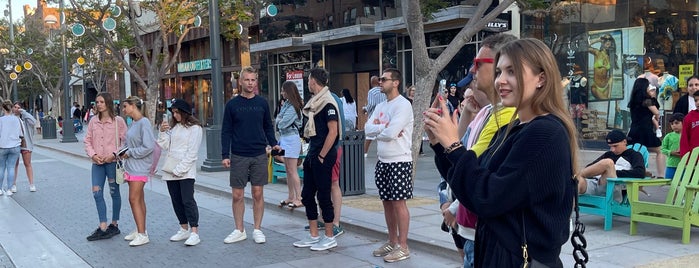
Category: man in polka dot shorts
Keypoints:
(392, 125)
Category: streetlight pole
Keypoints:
(213, 133)
(12, 41)
(68, 130)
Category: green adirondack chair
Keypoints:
(680, 208)
(606, 206)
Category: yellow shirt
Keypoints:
(501, 117)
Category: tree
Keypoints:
(426, 69)
(172, 21)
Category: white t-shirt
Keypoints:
(350, 110)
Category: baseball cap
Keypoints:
(615, 136)
(467, 80)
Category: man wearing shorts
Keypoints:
(246, 132)
(619, 161)
(374, 97)
(392, 125)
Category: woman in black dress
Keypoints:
(644, 108)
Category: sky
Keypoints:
(17, 11)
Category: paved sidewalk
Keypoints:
(363, 214)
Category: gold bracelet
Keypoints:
(453, 147)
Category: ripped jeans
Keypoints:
(99, 174)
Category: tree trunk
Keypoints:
(426, 69)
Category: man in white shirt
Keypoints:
(392, 126)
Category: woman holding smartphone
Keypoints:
(181, 137)
(140, 142)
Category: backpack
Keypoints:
(304, 120)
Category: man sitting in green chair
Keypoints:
(617, 162)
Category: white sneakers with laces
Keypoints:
(140, 239)
(182, 234)
(258, 236)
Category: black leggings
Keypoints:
(182, 196)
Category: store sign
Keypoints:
(502, 23)
(686, 70)
(192, 66)
(297, 78)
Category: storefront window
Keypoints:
(602, 47)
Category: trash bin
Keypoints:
(48, 128)
(352, 163)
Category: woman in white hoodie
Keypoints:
(182, 142)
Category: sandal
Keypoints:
(294, 205)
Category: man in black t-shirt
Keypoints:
(322, 129)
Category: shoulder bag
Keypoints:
(23, 142)
(119, 163)
(170, 161)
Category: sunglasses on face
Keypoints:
(384, 79)
(477, 62)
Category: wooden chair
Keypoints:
(606, 206)
(680, 208)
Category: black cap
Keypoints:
(181, 105)
(615, 136)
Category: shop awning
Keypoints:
(289, 43)
(354, 32)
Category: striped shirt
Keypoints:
(374, 98)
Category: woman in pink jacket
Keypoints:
(104, 137)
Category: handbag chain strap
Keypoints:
(577, 240)
(525, 253)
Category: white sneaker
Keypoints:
(140, 239)
(32, 188)
(235, 236)
(324, 244)
(131, 236)
(8, 192)
(307, 241)
(258, 236)
(1, 192)
(193, 240)
(182, 234)
(14, 188)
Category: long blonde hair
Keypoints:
(548, 98)
(140, 104)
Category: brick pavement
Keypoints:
(607, 249)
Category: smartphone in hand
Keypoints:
(122, 151)
(278, 152)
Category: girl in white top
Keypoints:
(350, 110)
(10, 132)
(182, 142)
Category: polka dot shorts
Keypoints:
(394, 180)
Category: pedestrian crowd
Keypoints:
(502, 143)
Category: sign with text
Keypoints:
(296, 77)
(686, 70)
(191, 66)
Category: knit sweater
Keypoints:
(525, 179)
(247, 127)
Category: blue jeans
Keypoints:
(469, 248)
(8, 158)
(99, 174)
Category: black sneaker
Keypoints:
(112, 230)
(97, 235)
